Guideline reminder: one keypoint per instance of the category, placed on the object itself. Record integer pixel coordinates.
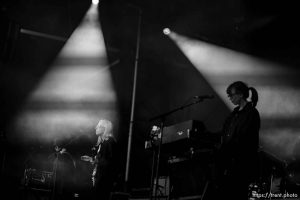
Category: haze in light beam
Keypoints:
(279, 96)
(75, 93)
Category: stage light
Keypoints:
(95, 2)
(166, 31)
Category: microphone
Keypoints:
(204, 96)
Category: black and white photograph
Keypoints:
(149, 100)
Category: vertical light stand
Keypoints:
(133, 99)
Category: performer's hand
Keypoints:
(93, 181)
(86, 158)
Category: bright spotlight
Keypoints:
(166, 31)
(95, 2)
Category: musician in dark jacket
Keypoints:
(105, 161)
(64, 170)
(238, 153)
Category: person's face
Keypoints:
(234, 97)
(100, 130)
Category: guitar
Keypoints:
(92, 161)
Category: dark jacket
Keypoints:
(241, 134)
(106, 165)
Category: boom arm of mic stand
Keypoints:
(162, 116)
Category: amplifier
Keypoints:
(38, 179)
(187, 138)
(181, 131)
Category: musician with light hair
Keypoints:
(104, 160)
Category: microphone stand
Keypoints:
(162, 117)
(53, 196)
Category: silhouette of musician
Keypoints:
(104, 162)
(64, 170)
(237, 157)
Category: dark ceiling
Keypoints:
(262, 28)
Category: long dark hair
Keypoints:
(242, 88)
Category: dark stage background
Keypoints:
(254, 41)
